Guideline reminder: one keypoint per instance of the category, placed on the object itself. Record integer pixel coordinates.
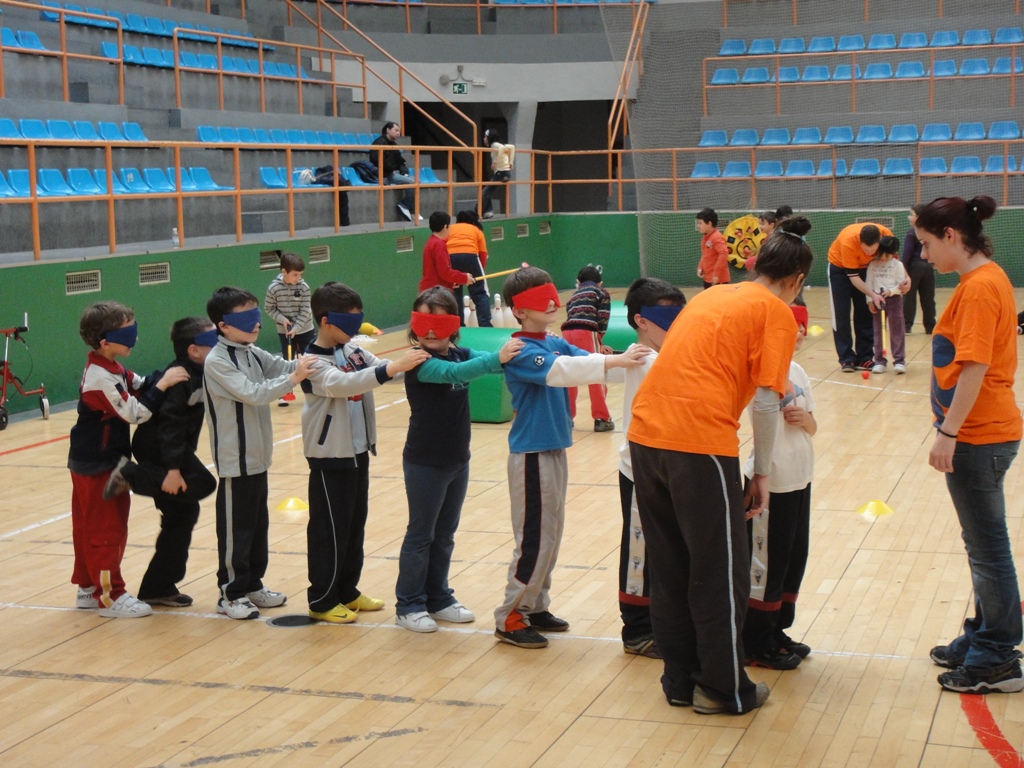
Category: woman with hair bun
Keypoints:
(978, 431)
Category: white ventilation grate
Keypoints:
(497, 233)
(82, 282)
(270, 260)
(319, 254)
(404, 244)
(154, 274)
(544, 228)
(522, 230)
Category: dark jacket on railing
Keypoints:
(393, 160)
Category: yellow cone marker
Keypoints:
(815, 330)
(874, 508)
(293, 507)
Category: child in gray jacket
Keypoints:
(339, 431)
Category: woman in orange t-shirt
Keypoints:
(978, 423)
(729, 345)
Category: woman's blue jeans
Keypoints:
(435, 497)
(976, 487)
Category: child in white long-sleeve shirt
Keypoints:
(885, 273)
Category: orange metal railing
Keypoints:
(632, 65)
(918, 9)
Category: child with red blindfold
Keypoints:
(779, 536)
(538, 379)
(436, 458)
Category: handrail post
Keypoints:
(236, 156)
(551, 187)
(33, 206)
(64, 58)
(337, 191)
(179, 201)
(675, 179)
(290, 192)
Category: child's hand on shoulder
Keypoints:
(304, 366)
(510, 349)
(631, 358)
(408, 361)
(794, 415)
(606, 350)
(173, 375)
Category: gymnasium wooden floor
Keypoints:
(190, 688)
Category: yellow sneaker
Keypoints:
(365, 603)
(339, 614)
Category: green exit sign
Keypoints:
(459, 89)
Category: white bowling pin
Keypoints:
(471, 321)
(465, 309)
(497, 318)
(510, 319)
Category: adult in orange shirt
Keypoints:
(978, 423)
(713, 267)
(848, 259)
(729, 345)
(467, 250)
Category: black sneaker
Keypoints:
(117, 483)
(785, 641)
(777, 658)
(706, 704)
(1005, 678)
(604, 425)
(522, 638)
(644, 646)
(865, 365)
(940, 655)
(674, 702)
(545, 621)
(849, 367)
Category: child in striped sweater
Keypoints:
(586, 321)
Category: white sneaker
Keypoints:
(240, 609)
(282, 403)
(266, 598)
(456, 613)
(417, 622)
(126, 607)
(899, 368)
(85, 600)
(405, 212)
(488, 215)
(878, 368)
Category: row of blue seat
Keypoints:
(861, 167)
(946, 38)
(80, 130)
(905, 133)
(145, 25)
(876, 70)
(275, 178)
(164, 58)
(126, 181)
(228, 135)
(20, 40)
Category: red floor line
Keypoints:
(35, 445)
(979, 716)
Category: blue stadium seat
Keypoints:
(944, 68)
(913, 40)
(133, 132)
(839, 134)
(907, 70)
(82, 182)
(61, 129)
(324, 137)
(706, 170)
(792, 45)
(295, 136)
(157, 180)
(350, 139)
(228, 135)
(310, 137)
(246, 135)
(800, 168)
(725, 77)
(270, 68)
(974, 67)
(768, 169)
(825, 168)
(86, 131)
(1004, 129)
(287, 70)
(744, 137)
(774, 137)
(5, 189)
(821, 45)
(427, 176)
(187, 185)
(49, 15)
(110, 131)
(870, 134)
(132, 55)
(20, 183)
(755, 75)
(271, 179)
(936, 132)
(262, 136)
(865, 166)
(977, 37)
(736, 169)
(1009, 36)
(969, 132)
(101, 182)
(278, 136)
(732, 47)
(135, 23)
(1001, 66)
(156, 26)
(945, 38)
(707, 139)
(153, 57)
(188, 59)
(882, 42)
(208, 61)
(34, 129)
(815, 73)
(932, 166)
(207, 134)
(8, 129)
(898, 166)
(133, 181)
(878, 70)
(52, 181)
(903, 134)
(761, 46)
(337, 138)
(30, 41)
(807, 136)
(203, 181)
(788, 74)
(365, 139)
(843, 72)
(851, 43)
(227, 64)
(994, 164)
(8, 39)
(965, 165)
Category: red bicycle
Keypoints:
(7, 375)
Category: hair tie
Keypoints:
(801, 238)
